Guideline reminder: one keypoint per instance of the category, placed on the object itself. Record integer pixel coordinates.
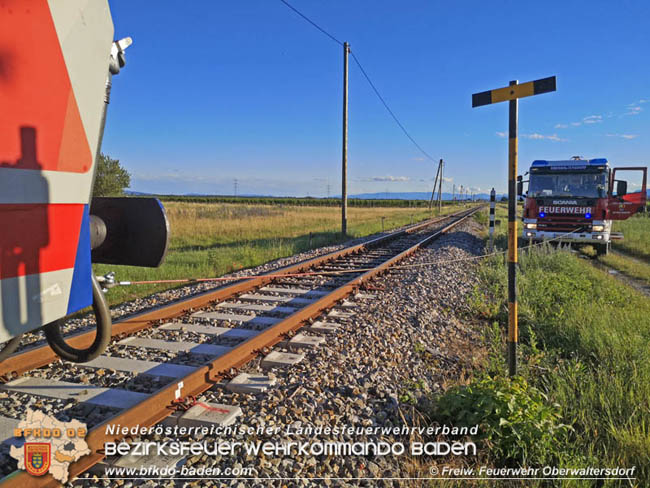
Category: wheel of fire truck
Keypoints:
(9, 347)
(603, 249)
(102, 337)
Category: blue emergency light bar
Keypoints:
(572, 163)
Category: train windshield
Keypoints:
(590, 185)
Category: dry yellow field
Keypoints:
(211, 239)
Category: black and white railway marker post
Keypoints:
(513, 93)
(344, 156)
(492, 205)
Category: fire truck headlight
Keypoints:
(599, 237)
(530, 226)
(529, 234)
(598, 228)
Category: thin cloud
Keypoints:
(592, 119)
(589, 119)
(634, 110)
(502, 134)
(417, 159)
(540, 137)
(386, 179)
(624, 136)
(445, 179)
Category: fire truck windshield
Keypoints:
(590, 185)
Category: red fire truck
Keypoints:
(576, 200)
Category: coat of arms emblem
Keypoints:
(37, 457)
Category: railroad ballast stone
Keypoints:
(356, 378)
(370, 367)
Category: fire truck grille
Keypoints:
(559, 224)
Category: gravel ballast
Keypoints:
(409, 340)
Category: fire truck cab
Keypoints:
(576, 200)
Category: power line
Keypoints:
(372, 85)
(356, 60)
(312, 22)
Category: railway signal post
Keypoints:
(513, 93)
(344, 158)
(492, 205)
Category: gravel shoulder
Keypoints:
(409, 340)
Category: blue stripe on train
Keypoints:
(81, 293)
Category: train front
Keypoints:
(57, 59)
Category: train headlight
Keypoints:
(530, 226)
(597, 228)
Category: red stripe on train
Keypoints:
(40, 125)
(37, 238)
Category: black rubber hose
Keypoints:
(102, 336)
(9, 347)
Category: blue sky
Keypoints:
(218, 90)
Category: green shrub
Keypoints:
(517, 424)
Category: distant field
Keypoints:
(295, 201)
(636, 232)
(212, 239)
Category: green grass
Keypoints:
(585, 343)
(631, 267)
(212, 239)
(583, 363)
(636, 236)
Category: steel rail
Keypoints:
(159, 405)
(38, 356)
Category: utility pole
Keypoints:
(435, 184)
(442, 164)
(344, 162)
(453, 193)
(513, 93)
(235, 186)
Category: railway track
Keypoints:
(219, 331)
